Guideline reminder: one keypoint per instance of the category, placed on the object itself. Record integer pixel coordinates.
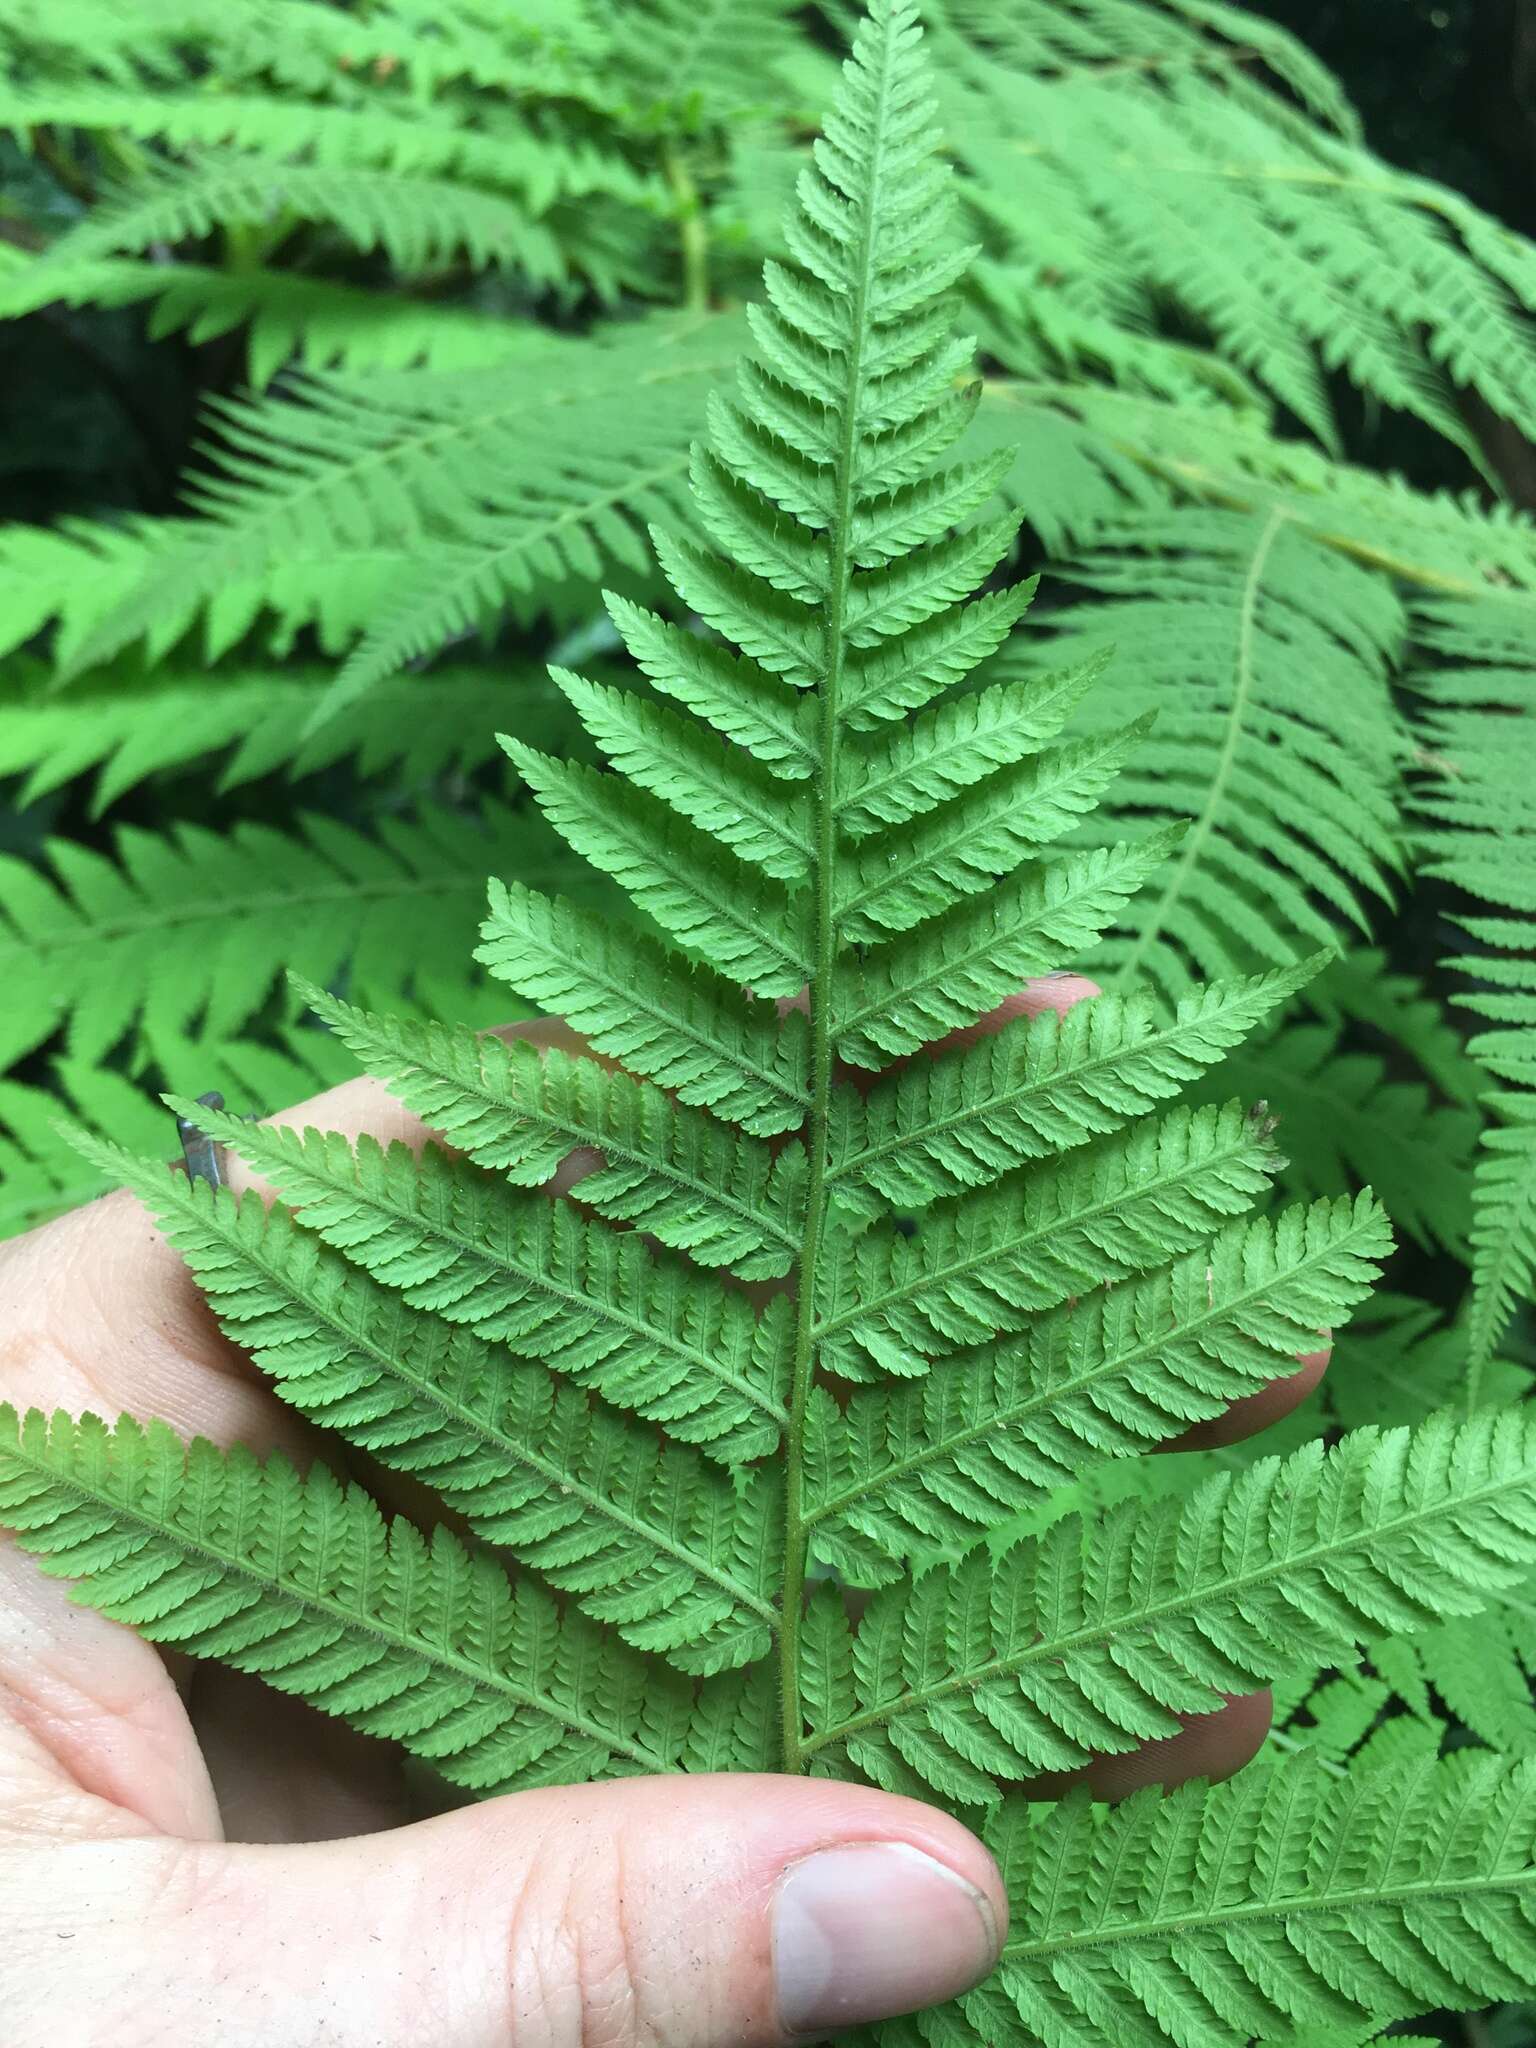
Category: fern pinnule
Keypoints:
(1091, 1639)
(933, 1464)
(1479, 834)
(534, 1275)
(167, 936)
(721, 1196)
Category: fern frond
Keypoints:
(194, 928)
(705, 60)
(541, 165)
(1478, 803)
(990, 1434)
(490, 480)
(1179, 178)
(593, 1303)
(1266, 660)
(655, 1012)
(1287, 1896)
(646, 1536)
(986, 1262)
(725, 1198)
(1481, 1668)
(1095, 1638)
(850, 822)
(302, 1581)
(126, 728)
(1344, 1118)
(1039, 1087)
(416, 221)
(286, 317)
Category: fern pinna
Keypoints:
(975, 1272)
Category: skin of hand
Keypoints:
(188, 1857)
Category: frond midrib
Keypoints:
(824, 967)
(1152, 928)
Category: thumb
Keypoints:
(698, 1912)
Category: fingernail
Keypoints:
(873, 1930)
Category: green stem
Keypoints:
(692, 230)
(796, 1532)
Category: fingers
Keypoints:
(690, 1911)
(1211, 1746)
(1246, 1417)
(284, 1772)
(98, 1313)
(1058, 992)
(94, 1738)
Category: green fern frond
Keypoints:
(1481, 1669)
(849, 821)
(490, 480)
(593, 1303)
(538, 47)
(700, 61)
(1177, 35)
(1095, 1638)
(993, 1432)
(244, 721)
(1180, 178)
(645, 1535)
(194, 928)
(1266, 660)
(302, 1581)
(418, 222)
(1478, 802)
(286, 318)
(541, 167)
(723, 1197)
(1344, 1119)
(1287, 1896)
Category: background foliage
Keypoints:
(347, 350)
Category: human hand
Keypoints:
(186, 1856)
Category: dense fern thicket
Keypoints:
(454, 289)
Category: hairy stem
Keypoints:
(824, 962)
